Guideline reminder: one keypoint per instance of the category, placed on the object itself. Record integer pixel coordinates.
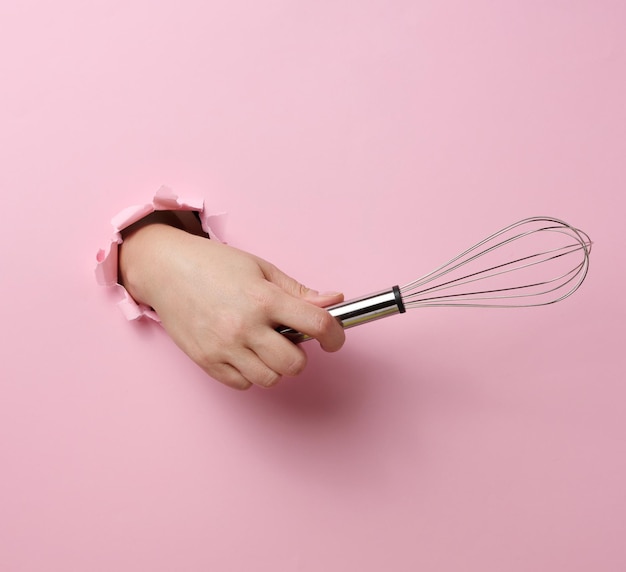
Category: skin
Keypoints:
(220, 305)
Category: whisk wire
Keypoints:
(415, 296)
(442, 287)
(447, 268)
(414, 303)
(463, 280)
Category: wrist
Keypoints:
(143, 256)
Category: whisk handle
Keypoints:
(358, 311)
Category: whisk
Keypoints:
(533, 262)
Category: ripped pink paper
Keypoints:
(107, 258)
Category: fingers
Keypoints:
(253, 369)
(311, 320)
(228, 375)
(325, 299)
(273, 356)
(284, 282)
(247, 370)
(297, 290)
(298, 309)
(279, 354)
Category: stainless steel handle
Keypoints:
(358, 311)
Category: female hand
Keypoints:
(221, 305)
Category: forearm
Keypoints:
(143, 241)
(141, 254)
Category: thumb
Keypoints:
(294, 288)
(323, 299)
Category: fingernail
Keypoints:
(331, 294)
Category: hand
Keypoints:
(221, 305)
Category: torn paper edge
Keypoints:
(106, 270)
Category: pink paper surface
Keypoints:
(356, 145)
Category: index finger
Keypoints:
(310, 320)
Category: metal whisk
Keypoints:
(533, 262)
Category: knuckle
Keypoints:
(301, 290)
(234, 381)
(232, 329)
(206, 360)
(235, 330)
(241, 384)
(324, 323)
(268, 378)
(266, 266)
(228, 377)
(296, 365)
(263, 298)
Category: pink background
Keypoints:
(356, 144)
